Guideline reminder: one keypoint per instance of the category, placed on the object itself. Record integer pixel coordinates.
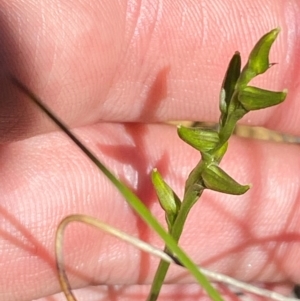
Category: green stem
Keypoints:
(191, 197)
(158, 280)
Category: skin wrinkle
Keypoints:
(149, 18)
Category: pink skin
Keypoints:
(153, 61)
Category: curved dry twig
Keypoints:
(64, 281)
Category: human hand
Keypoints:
(93, 70)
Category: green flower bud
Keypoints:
(259, 57)
(199, 138)
(168, 199)
(258, 61)
(230, 79)
(253, 98)
(216, 179)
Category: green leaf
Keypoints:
(168, 199)
(253, 98)
(216, 179)
(199, 138)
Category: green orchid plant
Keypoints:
(237, 98)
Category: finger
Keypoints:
(140, 62)
(254, 237)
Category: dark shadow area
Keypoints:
(157, 93)
(297, 291)
(17, 116)
(28, 243)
